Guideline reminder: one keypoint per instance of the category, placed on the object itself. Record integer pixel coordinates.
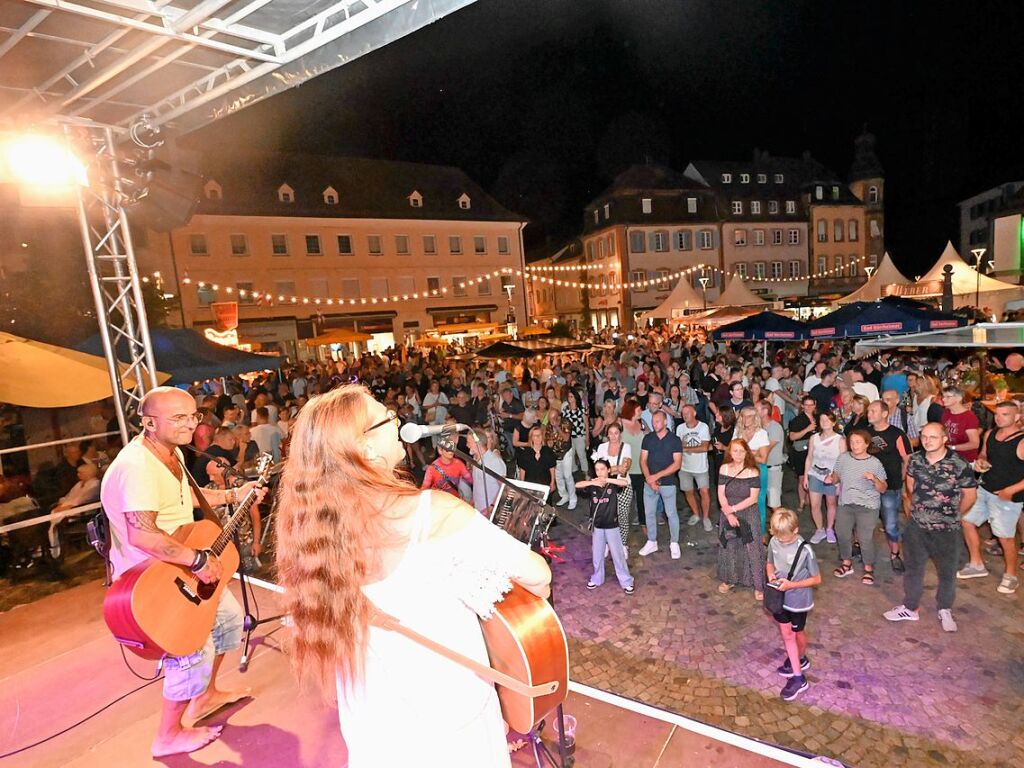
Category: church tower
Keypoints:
(867, 182)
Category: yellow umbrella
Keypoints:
(38, 375)
(534, 330)
(338, 336)
(492, 337)
(431, 341)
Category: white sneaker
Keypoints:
(572, 505)
(707, 524)
(694, 519)
(819, 536)
(562, 501)
(649, 548)
(673, 549)
(946, 619)
(902, 613)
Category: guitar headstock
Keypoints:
(264, 465)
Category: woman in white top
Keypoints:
(619, 455)
(355, 537)
(749, 429)
(822, 451)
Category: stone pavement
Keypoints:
(882, 694)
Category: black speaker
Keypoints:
(168, 188)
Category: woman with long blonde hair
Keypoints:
(354, 537)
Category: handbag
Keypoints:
(774, 599)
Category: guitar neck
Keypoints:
(234, 521)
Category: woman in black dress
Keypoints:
(537, 461)
(741, 554)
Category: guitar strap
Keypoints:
(204, 505)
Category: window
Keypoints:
(502, 244)
(590, 250)
(246, 295)
(659, 241)
(779, 178)
(773, 206)
(350, 287)
(600, 249)
(213, 190)
(873, 260)
(285, 194)
(611, 245)
(464, 201)
(762, 178)
(344, 245)
(822, 264)
(822, 231)
(197, 245)
(636, 243)
(313, 245)
(776, 237)
(851, 230)
(727, 178)
(776, 270)
(758, 237)
(684, 240)
(819, 192)
(402, 244)
(839, 265)
(875, 229)
(454, 244)
(663, 273)
(285, 289)
(479, 244)
(691, 205)
(872, 195)
(739, 236)
(331, 196)
(744, 178)
(646, 205)
(415, 199)
(456, 282)
(851, 267)
(507, 282)
(737, 207)
(636, 277)
(429, 245)
(755, 207)
(741, 269)
(483, 288)
(706, 239)
(433, 284)
(379, 286)
(794, 237)
(373, 243)
(406, 285)
(759, 270)
(791, 206)
(318, 288)
(794, 268)
(597, 216)
(239, 245)
(205, 295)
(837, 230)
(835, 192)
(607, 211)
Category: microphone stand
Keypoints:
(547, 515)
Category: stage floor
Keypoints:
(59, 665)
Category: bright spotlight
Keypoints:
(40, 161)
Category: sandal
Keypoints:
(868, 578)
(844, 570)
(724, 588)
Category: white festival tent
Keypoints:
(874, 288)
(737, 294)
(967, 283)
(683, 299)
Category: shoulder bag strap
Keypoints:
(204, 505)
(792, 568)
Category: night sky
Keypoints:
(543, 101)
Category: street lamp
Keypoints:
(704, 289)
(869, 271)
(979, 254)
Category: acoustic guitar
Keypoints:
(158, 609)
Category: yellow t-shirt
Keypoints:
(137, 481)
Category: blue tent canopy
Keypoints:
(188, 356)
(765, 325)
(887, 317)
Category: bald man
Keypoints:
(146, 497)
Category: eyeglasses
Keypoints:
(179, 419)
(391, 416)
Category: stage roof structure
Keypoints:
(183, 63)
(980, 336)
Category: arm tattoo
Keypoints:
(142, 521)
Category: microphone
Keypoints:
(412, 433)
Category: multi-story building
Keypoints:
(553, 286)
(979, 212)
(306, 244)
(1006, 256)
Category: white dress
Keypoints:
(414, 707)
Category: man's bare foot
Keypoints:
(185, 740)
(204, 705)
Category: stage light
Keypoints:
(40, 161)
